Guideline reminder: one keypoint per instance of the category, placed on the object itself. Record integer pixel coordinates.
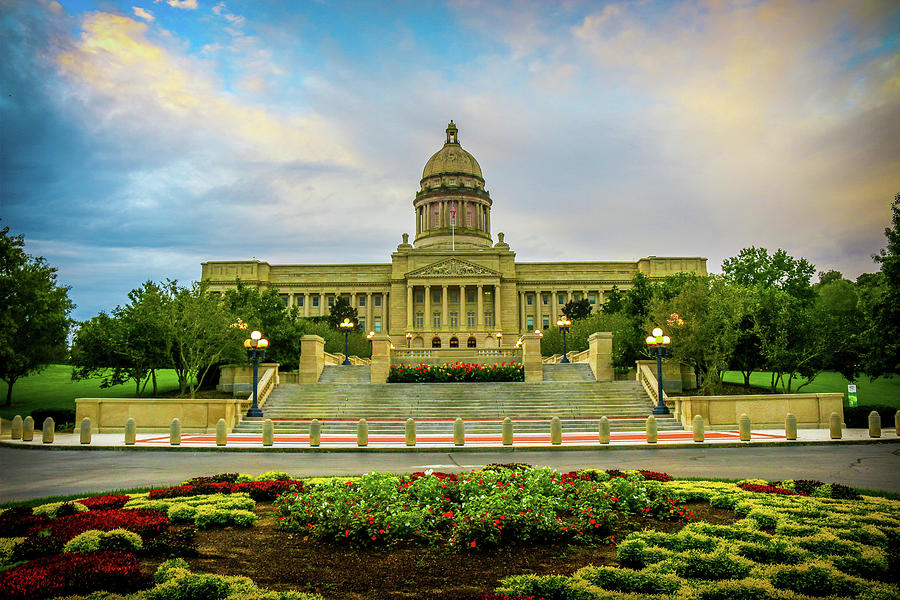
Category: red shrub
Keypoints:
(573, 476)
(265, 490)
(17, 525)
(440, 475)
(656, 476)
(768, 489)
(201, 489)
(108, 502)
(71, 573)
(145, 522)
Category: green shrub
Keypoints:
(745, 589)
(721, 564)
(826, 543)
(636, 553)
(114, 539)
(730, 532)
(871, 563)
(183, 585)
(629, 580)
(551, 587)
(37, 545)
(726, 501)
(165, 571)
(207, 517)
(823, 491)
(816, 579)
(59, 509)
(244, 478)
(774, 551)
(789, 529)
(763, 518)
(181, 512)
(866, 534)
(7, 545)
(274, 476)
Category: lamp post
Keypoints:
(564, 323)
(346, 326)
(657, 343)
(408, 338)
(499, 338)
(256, 351)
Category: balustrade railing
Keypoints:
(647, 378)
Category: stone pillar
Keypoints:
(410, 432)
(315, 433)
(497, 323)
(386, 311)
(16, 428)
(463, 313)
(444, 314)
(554, 304)
(459, 432)
(522, 315)
(381, 358)
(322, 302)
(427, 325)
(874, 424)
(221, 433)
(28, 429)
(268, 436)
(312, 358)
(790, 427)
(600, 355)
(699, 428)
(409, 307)
(744, 427)
(175, 433)
(306, 304)
(834, 426)
(85, 431)
(130, 432)
(290, 300)
(362, 433)
(603, 430)
(538, 311)
(531, 358)
(370, 324)
(507, 432)
(48, 431)
(652, 430)
(555, 431)
(480, 314)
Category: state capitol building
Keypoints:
(453, 286)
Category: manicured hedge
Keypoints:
(455, 373)
(71, 573)
(144, 522)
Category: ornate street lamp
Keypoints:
(657, 343)
(499, 338)
(256, 351)
(347, 326)
(564, 323)
(408, 338)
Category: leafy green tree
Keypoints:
(34, 312)
(342, 310)
(882, 346)
(612, 301)
(264, 310)
(826, 277)
(577, 309)
(756, 267)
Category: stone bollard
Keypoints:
(699, 428)
(555, 431)
(48, 431)
(16, 427)
(459, 432)
(130, 432)
(410, 432)
(268, 432)
(603, 430)
(315, 433)
(897, 423)
(85, 432)
(834, 424)
(744, 427)
(221, 433)
(175, 433)
(28, 429)
(874, 424)
(507, 432)
(362, 433)
(790, 427)
(652, 430)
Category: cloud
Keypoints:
(143, 14)
(185, 4)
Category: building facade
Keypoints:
(453, 286)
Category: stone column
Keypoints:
(538, 312)
(409, 307)
(444, 314)
(463, 315)
(531, 357)
(369, 322)
(323, 300)
(290, 299)
(312, 358)
(554, 306)
(386, 311)
(522, 312)
(480, 314)
(427, 321)
(306, 304)
(497, 306)
(600, 355)
(381, 358)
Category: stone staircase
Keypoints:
(568, 372)
(434, 406)
(346, 374)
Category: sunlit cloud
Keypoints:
(144, 14)
(185, 4)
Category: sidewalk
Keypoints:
(428, 442)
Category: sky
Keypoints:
(141, 138)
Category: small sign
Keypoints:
(851, 395)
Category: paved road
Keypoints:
(37, 473)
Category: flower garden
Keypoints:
(501, 532)
(456, 373)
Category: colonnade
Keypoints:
(553, 309)
(368, 310)
(483, 318)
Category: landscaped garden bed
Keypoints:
(502, 531)
(456, 373)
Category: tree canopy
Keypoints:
(577, 309)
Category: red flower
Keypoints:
(472, 545)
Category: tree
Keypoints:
(264, 310)
(577, 309)
(882, 355)
(756, 267)
(613, 301)
(342, 310)
(829, 276)
(34, 312)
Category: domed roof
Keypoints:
(452, 158)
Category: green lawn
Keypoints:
(53, 388)
(882, 391)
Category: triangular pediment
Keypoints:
(453, 267)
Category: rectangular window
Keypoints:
(285, 298)
(488, 319)
(470, 295)
(576, 296)
(378, 300)
(436, 296)
(299, 300)
(561, 298)
(330, 301)
(471, 319)
(436, 319)
(362, 300)
(528, 299)
(362, 323)
(420, 320)
(315, 300)
(420, 297)
(529, 323)
(377, 324)
(545, 299)
(546, 323)
(592, 298)
(454, 296)
(454, 320)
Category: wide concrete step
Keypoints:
(349, 374)
(568, 372)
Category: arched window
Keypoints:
(436, 342)
(470, 343)
(454, 342)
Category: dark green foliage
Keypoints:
(172, 542)
(816, 580)
(865, 566)
(775, 551)
(858, 416)
(60, 416)
(36, 545)
(577, 309)
(551, 587)
(737, 590)
(613, 301)
(264, 311)
(882, 336)
(190, 586)
(756, 267)
(342, 310)
(694, 564)
(628, 580)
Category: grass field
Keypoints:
(882, 391)
(53, 388)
